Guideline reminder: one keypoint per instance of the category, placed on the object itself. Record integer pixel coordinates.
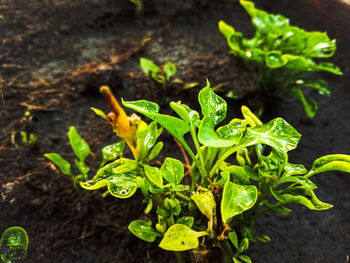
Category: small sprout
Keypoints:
(13, 244)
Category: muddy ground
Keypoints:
(54, 55)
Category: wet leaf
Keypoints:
(112, 152)
(119, 177)
(236, 199)
(99, 112)
(13, 244)
(277, 133)
(205, 202)
(333, 162)
(143, 230)
(310, 105)
(180, 238)
(154, 175)
(186, 220)
(148, 66)
(172, 170)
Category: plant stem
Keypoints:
(223, 158)
(182, 196)
(179, 257)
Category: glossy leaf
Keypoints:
(169, 70)
(236, 199)
(274, 59)
(180, 238)
(61, 163)
(233, 238)
(155, 151)
(185, 113)
(319, 45)
(310, 105)
(13, 244)
(213, 106)
(312, 202)
(143, 230)
(83, 168)
(173, 171)
(79, 145)
(119, 177)
(148, 66)
(319, 84)
(154, 176)
(277, 133)
(177, 127)
(148, 138)
(112, 152)
(333, 162)
(205, 202)
(149, 207)
(245, 258)
(299, 180)
(186, 220)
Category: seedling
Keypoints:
(13, 244)
(81, 150)
(280, 57)
(239, 171)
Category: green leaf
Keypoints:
(79, 145)
(213, 106)
(172, 170)
(148, 66)
(99, 112)
(169, 69)
(13, 244)
(236, 199)
(119, 177)
(143, 184)
(274, 59)
(149, 207)
(329, 67)
(245, 258)
(319, 84)
(113, 151)
(277, 133)
(186, 220)
(83, 168)
(310, 105)
(148, 138)
(319, 45)
(177, 127)
(155, 151)
(293, 169)
(61, 163)
(153, 175)
(312, 202)
(143, 230)
(234, 239)
(244, 245)
(205, 202)
(299, 180)
(185, 113)
(180, 238)
(226, 29)
(333, 162)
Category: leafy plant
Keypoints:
(280, 57)
(81, 150)
(239, 171)
(163, 74)
(138, 4)
(13, 244)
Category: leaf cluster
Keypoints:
(280, 57)
(239, 171)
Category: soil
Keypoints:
(54, 55)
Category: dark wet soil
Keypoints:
(54, 55)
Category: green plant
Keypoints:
(13, 244)
(138, 4)
(81, 150)
(162, 75)
(239, 171)
(280, 57)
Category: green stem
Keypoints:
(223, 157)
(179, 257)
(182, 196)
